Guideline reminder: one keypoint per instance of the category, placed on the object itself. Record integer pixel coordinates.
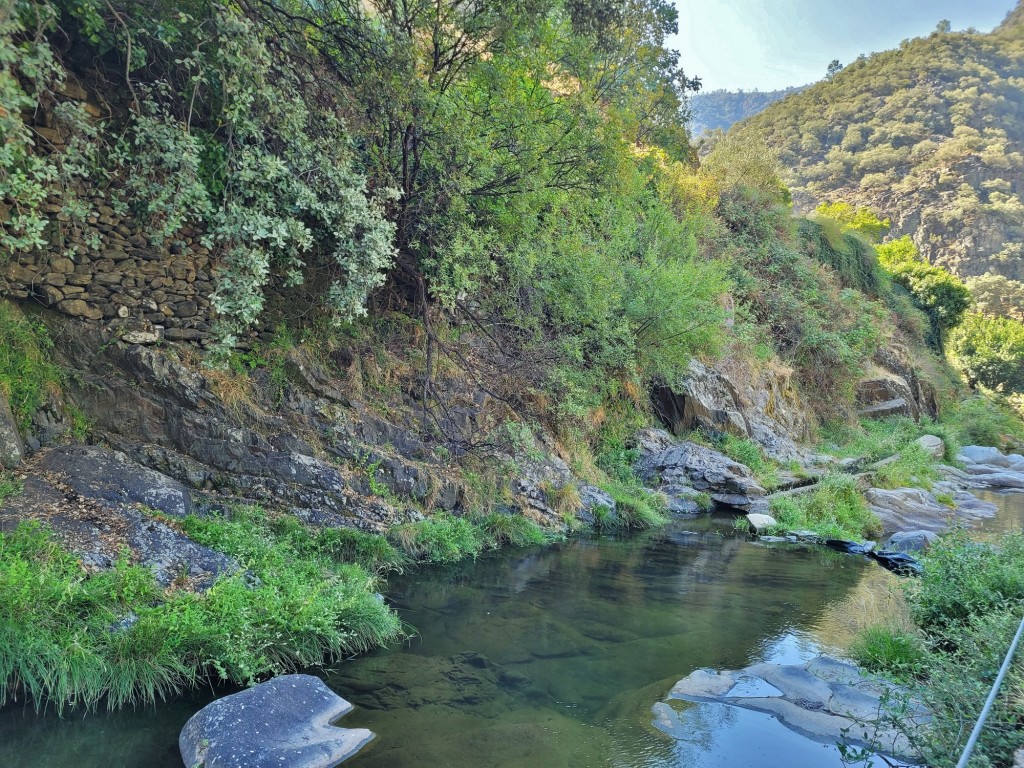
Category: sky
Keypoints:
(772, 44)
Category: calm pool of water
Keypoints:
(554, 657)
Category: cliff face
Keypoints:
(927, 135)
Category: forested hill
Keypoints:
(930, 135)
(722, 109)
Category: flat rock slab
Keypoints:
(825, 700)
(106, 475)
(282, 723)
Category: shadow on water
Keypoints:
(554, 657)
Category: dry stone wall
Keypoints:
(106, 270)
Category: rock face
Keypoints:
(11, 448)
(284, 722)
(824, 699)
(762, 405)
(678, 469)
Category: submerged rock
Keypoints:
(285, 723)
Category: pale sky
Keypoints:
(772, 44)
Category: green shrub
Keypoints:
(984, 420)
(441, 538)
(9, 486)
(963, 578)
(990, 352)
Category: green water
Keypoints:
(554, 657)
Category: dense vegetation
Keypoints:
(963, 613)
(928, 134)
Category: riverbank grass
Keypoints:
(73, 638)
(835, 509)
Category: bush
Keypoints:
(635, 507)
(963, 579)
(984, 420)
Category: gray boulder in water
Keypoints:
(285, 723)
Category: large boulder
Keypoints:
(932, 445)
(884, 395)
(915, 509)
(286, 721)
(910, 541)
(99, 473)
(12, 450)
(698, 467)
(986, 467)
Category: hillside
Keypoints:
(721, 109)
(929, 135)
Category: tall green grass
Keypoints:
(835, 509)
(69, 638)
(27, 372)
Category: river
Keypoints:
(554, 656)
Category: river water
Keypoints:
(554, 656)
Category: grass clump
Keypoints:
(636, 508)
(914, 467)
(442, 538)
(835, 509)
(373, 552)
(898, 652)
(747, 452)
(68, 637)
(512, 530)
(27, 374)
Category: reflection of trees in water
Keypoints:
(703, 722)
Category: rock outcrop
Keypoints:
(894, 388)
(677, 469)
(734, 398)
(287, 721)
(98, 502)
(915, 509)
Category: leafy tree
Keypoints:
(990, 351)
(833, 69)
(935, 291)
(997, 296)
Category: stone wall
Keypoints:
(107, 270)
